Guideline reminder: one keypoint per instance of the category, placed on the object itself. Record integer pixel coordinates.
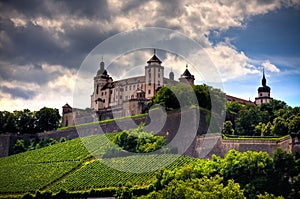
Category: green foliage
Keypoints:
(247, 120)
(98, 173)
(139, 141)
(199, 188)
(228, 128)
(200, 95)
(275, 118)
(26, 121)
(234, 107)
(280, 126)
(47, 119)
(27, 145)
(294, 126)
(32, 177)
(68, 170)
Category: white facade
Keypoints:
(263, 92)
(108, 93)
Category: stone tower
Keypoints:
(263, 92)
(154, 75)
(187, 77)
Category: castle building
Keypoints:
(125, 97)
(263, 92)
(129, 95)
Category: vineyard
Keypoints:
(77, 165)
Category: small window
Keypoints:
(133, 87)
(260, 94)
(130, 87)
(111, 91)
(149, 83)
(149, 92)
(158, 83)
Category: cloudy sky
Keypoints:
(43, 45)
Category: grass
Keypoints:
(265, 138)
(71, 166)
(102, 121)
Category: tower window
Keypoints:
(149, 92)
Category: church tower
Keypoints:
(187, 77)
(263, 92)
(154, 75)
(100, 99)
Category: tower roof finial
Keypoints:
(264, 81)
(154, 51)
(186, 66)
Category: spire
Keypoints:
(264, 81)
(154, 58)
(171, 75)
(102, 67)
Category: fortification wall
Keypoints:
(206, 146)
(202, 146)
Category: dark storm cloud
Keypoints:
(33, 44)
(51, 9)
(18, 92)
(33, 74)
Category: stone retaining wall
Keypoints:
(202, 146)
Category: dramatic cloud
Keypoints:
(43, 43)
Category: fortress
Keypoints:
(129, 96)
(113, 99)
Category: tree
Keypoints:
(284, 171)
(24, 121)
(8, 122)
(199, 188)
(227, 128)
(165, 97)
(234, 107)
(247, 121)
(203, 97)
(47, 119)
(294, 126)
(280, 126)
(250, 169)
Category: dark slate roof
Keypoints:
(187, 73)
(66, 106)
(154, 59)
(264, 89)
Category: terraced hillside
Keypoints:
(71, 167)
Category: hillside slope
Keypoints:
(70, 166)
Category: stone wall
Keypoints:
(202, 146)
(206, 146)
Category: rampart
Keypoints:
(202, 146)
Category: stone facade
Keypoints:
(203, 145)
